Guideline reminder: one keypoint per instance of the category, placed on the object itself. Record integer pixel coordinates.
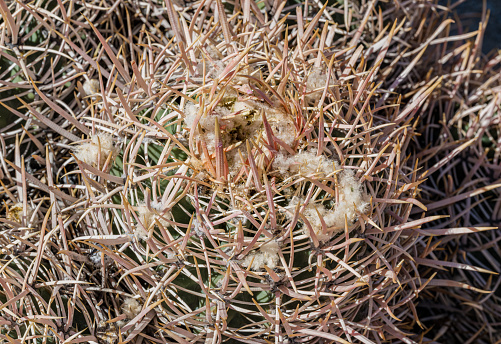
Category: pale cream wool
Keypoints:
(267, 255)
(147, 219)
(190, 112)
(313, 213)
(235, 126)
(352, 200)
(305, 163)
(131, 308)
(205, 129)
(235, 161)
(98, 149)
(121, 323)
(91, 87)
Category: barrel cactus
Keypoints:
(262, 198)
(463, 186)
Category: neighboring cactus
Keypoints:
(246, 178)
(461, 158)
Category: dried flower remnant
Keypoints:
(15, 213)
(107, 333)
(240, 121)
(267, 255)
(97, 150)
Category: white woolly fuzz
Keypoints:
(190, 112)
(15, 213)
(121, 323)
(98, 149)
(351, 200)
(266, 255)
(282, 125)
(131, 308)
(205, 129)
(351, 197)
(305, 163)
(91, 87)
(147, 219)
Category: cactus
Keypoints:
(217, 172)
(462, 184)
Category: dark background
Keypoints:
(470, 12)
